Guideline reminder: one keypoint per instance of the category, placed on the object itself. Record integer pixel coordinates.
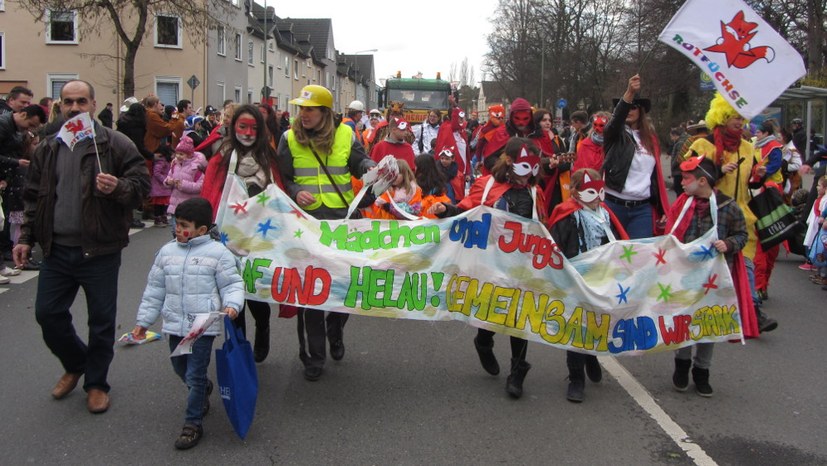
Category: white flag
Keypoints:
(750, 64)
(76, 130)
(200, 324)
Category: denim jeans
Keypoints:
(750, 266)
(62, 273)
(636, 220)
(192, 369)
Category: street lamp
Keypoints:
(265, 91)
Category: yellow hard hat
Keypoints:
(314, 96)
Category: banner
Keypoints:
(750, 64)
(488, 268)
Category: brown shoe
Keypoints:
(97, 401)
(65, 385)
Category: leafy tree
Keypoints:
(130, 20)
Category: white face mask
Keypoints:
(245, 141)
(590, 194)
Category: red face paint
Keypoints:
(521, 119)
(246, 126)
(185, 233)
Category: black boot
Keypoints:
(701, 379)
(487, 358)
(577, 378)
(593, 369)
(514, 383)
(261, 348)
(680, 378)
(765, 323)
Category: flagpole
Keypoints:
(95, 143)
(646, 58)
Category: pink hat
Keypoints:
(185, 146)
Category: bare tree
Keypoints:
(130, 19)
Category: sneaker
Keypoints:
(136, 224)
(312, 373)
(9, 272)
(763, 295)
(32, 264)
(190, 436)
(807, 267)
(4, 280)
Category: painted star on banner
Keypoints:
(223, 237)
(298, 233)
(299, 213)
(265, 227)
(239, 207)
(628, 252)
(621, 297)
(706, 252)
(660, 256)
(262, 198)
(710, 284)
(665, 292)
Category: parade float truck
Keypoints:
(416, 96)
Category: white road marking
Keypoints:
(642, 397)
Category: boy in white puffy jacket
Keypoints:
(191, 275)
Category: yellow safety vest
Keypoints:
(309, 174)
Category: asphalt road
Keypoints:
(410, 392)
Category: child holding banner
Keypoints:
(191, 275)
(581, 223)
(699, 175)
(405, 194)
(511, 186)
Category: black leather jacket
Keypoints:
(106, 216)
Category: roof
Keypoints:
(313, 31)
(802, 93)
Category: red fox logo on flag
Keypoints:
(74, 126)
(735, 43)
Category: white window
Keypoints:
(237, 94)
(168, 89)
(61, 27)
(270, 45)
(270, 75)
(250, 53)
(2, 5)
(221, 92)
(238, 40)
(286, 66)
(249, 96)
(56, 81)
(2, 48)
(168, 31)
(221, 44)
(263, 51)
(296, 70)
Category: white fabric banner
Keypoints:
(749, 62)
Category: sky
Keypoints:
(414, 36)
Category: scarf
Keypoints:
(764, 141)
(725, 140)
(594, 224)
(699, 207)
(250, 171)
(597, 139)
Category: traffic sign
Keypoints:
(562, 103)
(193, 82)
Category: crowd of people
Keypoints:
(599, 181)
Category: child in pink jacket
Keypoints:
(186, 174)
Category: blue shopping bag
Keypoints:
(818, 256)
(237, 378)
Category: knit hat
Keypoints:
(520, 104)
(185, 146)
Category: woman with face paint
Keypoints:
(512, 186)
(582, 223)
(635, 190)
(555, 171)
(247, 149)
(317, 158)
